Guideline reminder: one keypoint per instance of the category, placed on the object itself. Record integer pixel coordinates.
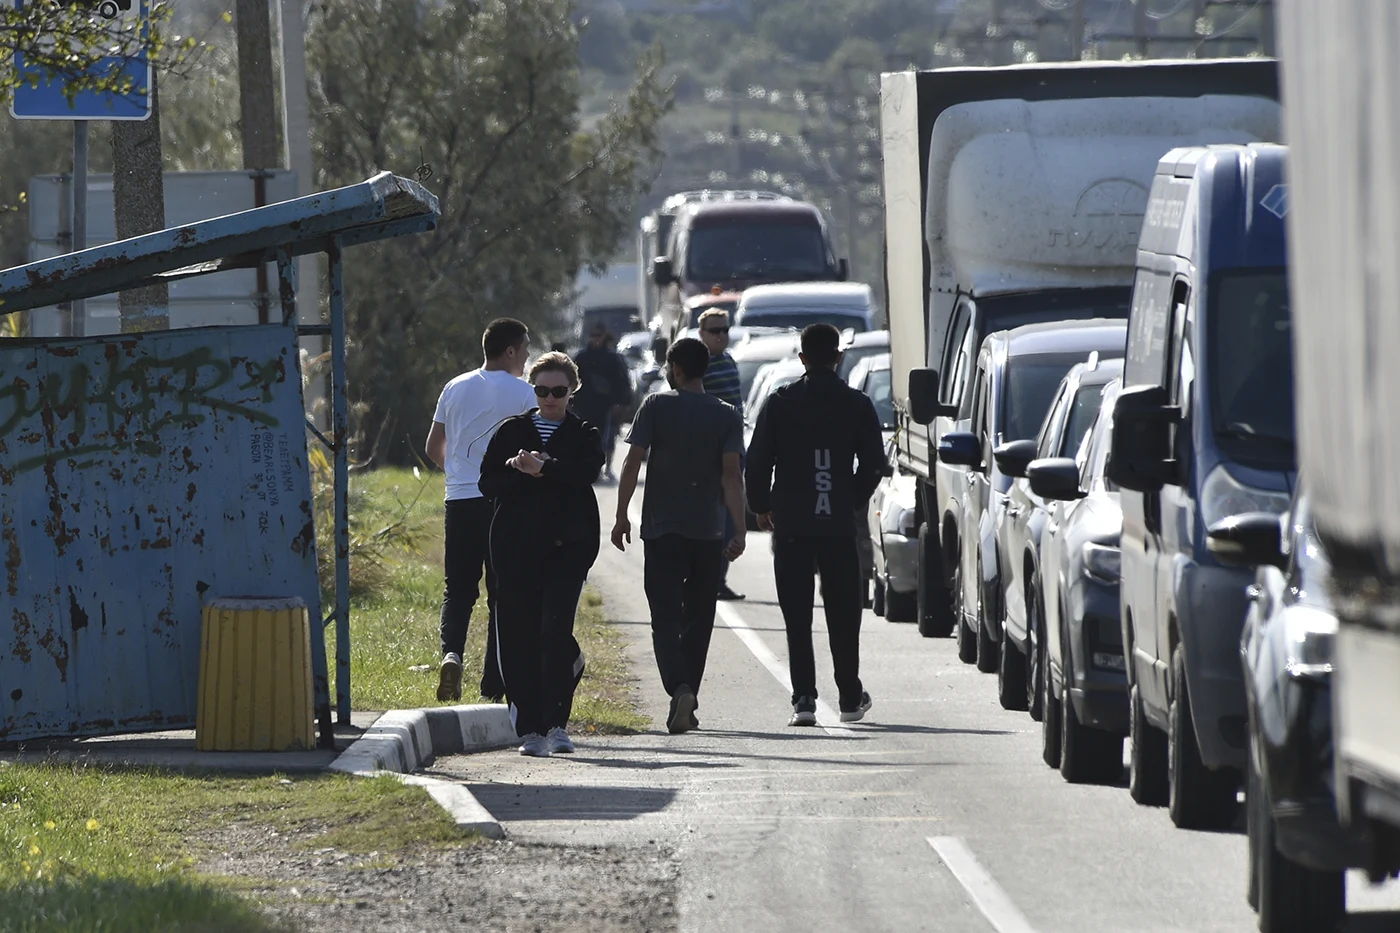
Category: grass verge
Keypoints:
(396, 596)
(89, 848)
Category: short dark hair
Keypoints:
(555, 362)
(821, 344)
(691, 356)
(502, 334)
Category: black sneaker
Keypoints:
(694, 721)
(728, 595)
(804, 712)
(857, 714)
(682, 710)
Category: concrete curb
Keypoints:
(402, 741)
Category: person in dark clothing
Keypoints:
(692, 442)
(540, 468)
(605, 385)
(815, 459)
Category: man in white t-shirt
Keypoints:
(470, 409)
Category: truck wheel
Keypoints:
(934, 605)
(900, 607)
(877, 602)
(1147, 761)
(1197, 798)
(988, 651)
(1050, 713)
(1011, 675)
(1291, 898)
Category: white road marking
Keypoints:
(994, 903)
(827, 718)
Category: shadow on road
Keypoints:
(570, 801)
(1375, 921)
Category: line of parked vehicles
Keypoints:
(1097, 490)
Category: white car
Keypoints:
(845, 305)
(894, 539)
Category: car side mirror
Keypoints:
(1013, 458)
(1055, 478)
(1250, 539)
(661, 272)
(923, 397)
(1140, 455)
(843, 270)
(960, 448)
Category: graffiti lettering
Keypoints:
(127, 404)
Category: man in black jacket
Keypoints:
(815, 459)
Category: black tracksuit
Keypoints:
(801, 468)
(544, 539)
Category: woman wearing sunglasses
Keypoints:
(540, 468)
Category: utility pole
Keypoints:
(138, 194)
(296, 136)
(257, 106)
(257, 103)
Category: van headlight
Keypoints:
(1222, 496)
(1103, 562)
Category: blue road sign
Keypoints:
(47, 100)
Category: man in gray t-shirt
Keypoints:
(691, 442)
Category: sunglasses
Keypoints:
(546, 391)
(716, 330)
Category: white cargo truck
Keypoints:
(1012, 196)
(1341, 80)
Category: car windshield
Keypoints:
(756, 250)
(1251, 365)
(878, 388)
(1081, 418)
(1031, 382)
(853, 355)
(800, 319)
(748, 369)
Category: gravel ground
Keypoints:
(504, 887)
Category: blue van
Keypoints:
(1202, 430)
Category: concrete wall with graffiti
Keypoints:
(140, 476)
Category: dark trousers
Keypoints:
(466, 555)
(534, 622)
(682, 581)
(838, 562)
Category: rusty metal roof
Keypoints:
(380, 207)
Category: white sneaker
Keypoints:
(535, 746)
(559, 742)
(804, 712)
(857, 714)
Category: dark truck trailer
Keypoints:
(1343, 90)
(1013, 196)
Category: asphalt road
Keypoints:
(935, 813)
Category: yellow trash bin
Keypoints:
(255, 676)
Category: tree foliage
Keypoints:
(73, 41)
(486, 97)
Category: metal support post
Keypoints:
(287, 284)
(78, 307)
(340, 431)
